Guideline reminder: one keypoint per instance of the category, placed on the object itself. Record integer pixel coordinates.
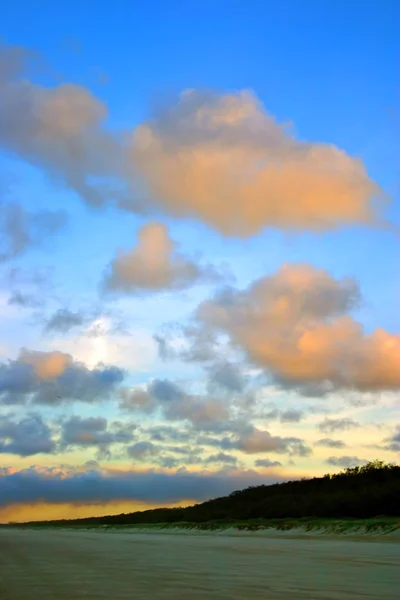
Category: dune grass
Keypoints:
(379, 525)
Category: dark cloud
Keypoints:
(142, 450)
(330, 425)
(164, 455)
(175, 404)
(23, 300)
(392, 443)
(392, 446)
(54, 377)
(21, 229)
(40, 278)
(94, 431)
(285, 416)
(164, 390)
(329, 443)
(227, 376)
(203, 345)
(169, 462)
(29, 288)
(136, 400)
(291, 416)
(98, 487)
(25, 437)
(221, 457)
(179, 449)
(157, 393)
(91, 464)
(345, 461)
(265, 462)
(250, 440)
(396, 437)
(165, 433)
(163, 348)
(197, 344)
(202, 413)
(63, 320)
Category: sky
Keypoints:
(199, 241)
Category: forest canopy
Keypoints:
(357, 492)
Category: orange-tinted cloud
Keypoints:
(225, 160)
(220, 158)
(295, 324)
(154, 264)
(47, 365)
(256, 441)
(37, 377)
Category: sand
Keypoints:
(77, 565)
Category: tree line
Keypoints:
(358, 492)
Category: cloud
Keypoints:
(60, 129)
(166, 433)
(98, 487)
(165, 455)
(164, 390)
(203, 413)
(155, 264)
(36, 278)
(329, 443)
(295, 324)
(63, 320)
(156, 394)
(142, 450)
(265, 462)
(345, 461)
(285, 416)
(94, 431)
(331, 425)
(255, 441)
(18, 298)
(223, 159)
(132, 400)
(21, 229)
(220, 158)
(26, 437)
(227, 376)
(54, 377)
(392, 443)
(396, 436)
(163, 348)
(221, 457)
(175, 404)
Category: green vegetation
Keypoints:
(377, 525)
(347, 500)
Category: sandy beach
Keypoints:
(67, 565)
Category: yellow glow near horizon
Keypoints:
(43, 511)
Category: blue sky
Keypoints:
(326, 68)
